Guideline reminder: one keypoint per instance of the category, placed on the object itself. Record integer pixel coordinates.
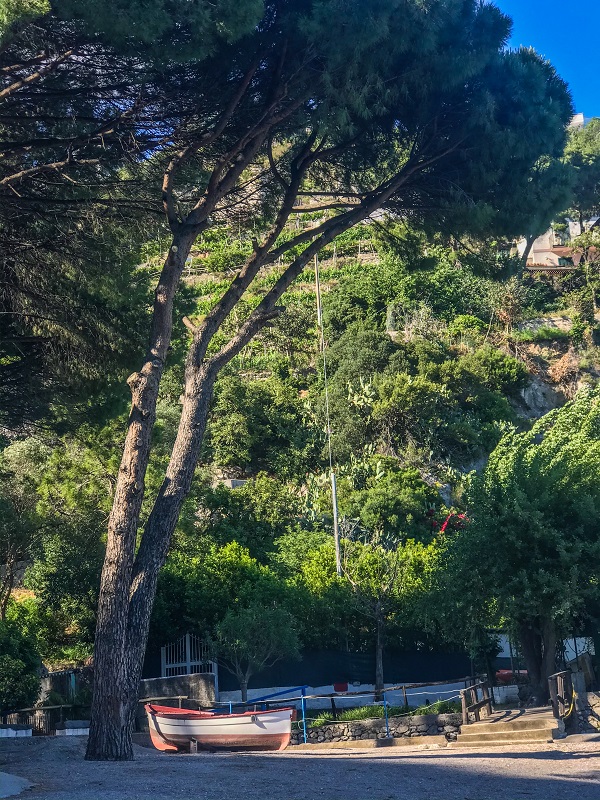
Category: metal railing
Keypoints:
(43, 719)
(169, 697)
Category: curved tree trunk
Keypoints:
(110, 726)
(530, 240)
(128, 583)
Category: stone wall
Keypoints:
(589, 714)
(446, 725)
(198, 688)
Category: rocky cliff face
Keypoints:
(556, 372)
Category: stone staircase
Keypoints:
(515, 726)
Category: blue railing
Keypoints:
(268, 697)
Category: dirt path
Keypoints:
(554, 772)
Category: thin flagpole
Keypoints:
(336, 527)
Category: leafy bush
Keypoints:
(258, 425)
(378, 712)
(582, 302)
(466, 323)
(578, 330)
(495, 370)
(19, 669)
(545, 333)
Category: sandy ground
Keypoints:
(552, 772)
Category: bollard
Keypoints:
(385, 709)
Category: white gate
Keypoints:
(187, 656)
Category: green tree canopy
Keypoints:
(582, 154)
(416, 107)
(254, 637)
(528, 557)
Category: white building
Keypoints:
(549, 251)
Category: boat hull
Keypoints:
(174, 729)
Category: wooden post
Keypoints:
(333, 708)
(512, 660)
(387, 722)
(463, 702)
(486, 696)
(561, 695)
(405, 697)
(553, 696)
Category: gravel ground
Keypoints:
(553, 772)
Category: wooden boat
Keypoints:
(176, 728)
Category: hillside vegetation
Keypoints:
(170, 184)
(432, 353)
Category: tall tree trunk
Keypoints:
(161, 524)
(538, 645)
(128, 583)
(7, 586)
(379, 643)
(244, 690)
(549, 654)
(110, 726)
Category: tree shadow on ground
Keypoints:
(59, 772)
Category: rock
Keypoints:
(11, 785)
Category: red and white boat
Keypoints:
(175, 728)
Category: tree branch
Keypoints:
(35, 76)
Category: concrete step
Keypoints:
(528, 735)
(368, 744)
(498, 743)
(518, 724)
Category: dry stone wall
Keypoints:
(588, 716)
(445, 725)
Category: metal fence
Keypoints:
(189, 655)
(43, 720)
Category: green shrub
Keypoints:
(582, 302)
(378, 712)
(19, 669)
(466, 323)
(545, 333)
(578, 330)
(495, 370)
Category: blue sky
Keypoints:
(568, 35)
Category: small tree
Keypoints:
(19, 669)
(253, 638)
(587, 247)
(582, 154)
(381, 575)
